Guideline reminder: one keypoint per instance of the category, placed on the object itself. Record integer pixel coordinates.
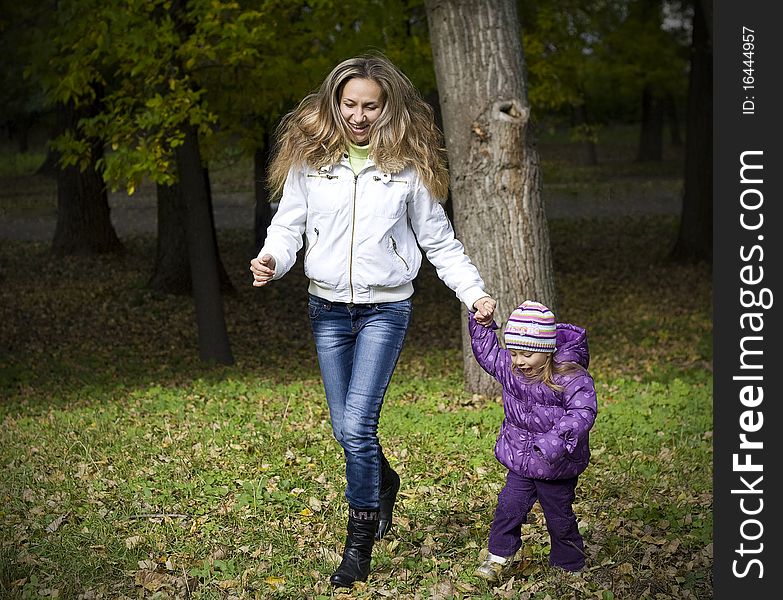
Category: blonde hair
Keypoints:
(405, 133)
(550, 368)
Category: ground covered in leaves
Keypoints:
(132, 471)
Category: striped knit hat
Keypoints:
(531, 327)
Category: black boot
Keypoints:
(390, 485)
(355, 566)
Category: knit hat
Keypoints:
(531, 327)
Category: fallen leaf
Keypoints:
(56, 523)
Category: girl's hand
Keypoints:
(263, 269)
(485, 309)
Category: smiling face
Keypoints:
(360, 106)
(529, 363)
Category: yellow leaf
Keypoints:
(275, 581)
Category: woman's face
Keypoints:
(360, 106)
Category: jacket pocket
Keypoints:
(396, 253)
(314, 243)
(323, 193)
(388, 198)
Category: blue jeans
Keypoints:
(358, 346)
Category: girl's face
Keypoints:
(360, 106)
(529, 363)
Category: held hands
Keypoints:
(263, 269)
(485, 309)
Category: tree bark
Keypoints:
(498, 209)
(673, 120)
(171, 274)
(694, 240)
(83, 221)
(213, 340)
(651, 136)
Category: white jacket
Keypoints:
(361, 235)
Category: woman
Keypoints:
(360, 168)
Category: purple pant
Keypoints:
(514, 503)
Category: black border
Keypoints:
(735, 132)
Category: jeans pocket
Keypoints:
(314, 308)
(401, 307)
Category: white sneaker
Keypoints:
(495, 567)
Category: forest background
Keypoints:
(136, 466)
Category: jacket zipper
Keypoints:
(317, 237)
(394, 246)
(376, 178)
(353, 230)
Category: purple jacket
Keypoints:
(545, 433)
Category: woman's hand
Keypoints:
(263, 269)
(485, 309)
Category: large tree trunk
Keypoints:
(83, 222)
(694, 240)
(651, 136)
(213, 340)
(498, 209)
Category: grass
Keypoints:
(131, 470)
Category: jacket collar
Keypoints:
(346, 163)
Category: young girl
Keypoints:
(360, 166)
(550, 405)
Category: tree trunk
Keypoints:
(673, 120)
(171, 273)
(651, 137)
(498, 209)
(23, 126)
(263, 211)
(213, 340)
(225, 281)
(694, 240)
(588, 156)
(83, 222)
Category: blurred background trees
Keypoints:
(157, 91)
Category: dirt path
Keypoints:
(234, 210)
